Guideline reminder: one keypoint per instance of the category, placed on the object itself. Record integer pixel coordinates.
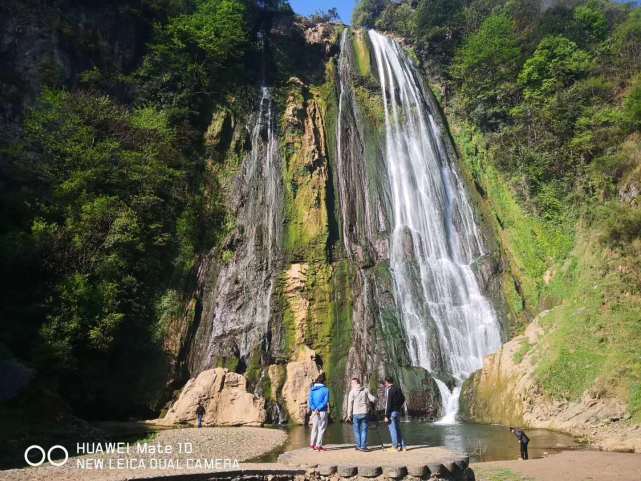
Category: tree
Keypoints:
(192, 58)
(484, 66)
(107, 186)
(625, 43)
(320, 16)
(556, 63)
(367, 11)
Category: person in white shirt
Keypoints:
(358, 402)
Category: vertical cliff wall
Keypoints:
(304, 283)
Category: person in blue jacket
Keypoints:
(318, 404)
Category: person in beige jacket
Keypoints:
(358, 402)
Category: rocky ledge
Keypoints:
(506, 391)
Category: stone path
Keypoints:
(343, 459)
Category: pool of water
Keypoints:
(482, 442)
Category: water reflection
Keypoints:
(482, 442)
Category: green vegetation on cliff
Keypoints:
(105, 201)
(544, 103)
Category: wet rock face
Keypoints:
(224, 396)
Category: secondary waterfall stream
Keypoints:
(435, 240)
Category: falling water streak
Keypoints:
(342, 189)
(263, 178)
(435, 240)
(346, 96)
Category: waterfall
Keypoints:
(241, 303)
(435, 241)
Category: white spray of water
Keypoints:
(435, 239)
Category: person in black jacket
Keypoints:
(523, 440)
(394, 400)
(200, 413)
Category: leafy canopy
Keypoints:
(556, 63)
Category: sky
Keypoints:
(307, 7)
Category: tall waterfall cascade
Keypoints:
(255, 267)
(435, 241)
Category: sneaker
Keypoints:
(311, 446)
(365, 450)
(320, 448)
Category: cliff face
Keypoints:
(302, 283)
(299, 279)
(507, 391)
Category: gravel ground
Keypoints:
(566, 466)
(176, 451)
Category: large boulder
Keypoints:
(301, 374)
(224, 396)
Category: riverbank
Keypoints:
(566, 466)
(165, 453)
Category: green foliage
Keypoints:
(590, 23)
(107, 186)
(367, 11)
(434, 15)
(397, 17)
(632, 106)
(524, 348)
(625, 44)
(555, 64)
(494, 474)
(484, 66)
(193, 58)
(593, 338)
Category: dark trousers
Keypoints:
(523, 450)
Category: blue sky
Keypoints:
(307, 7)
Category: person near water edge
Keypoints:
(523, 440)
(318, 403)
(394, 400)
(358, 402)
(200, 413)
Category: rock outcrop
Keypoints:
(224, 396)
(301, 374)
(506, 391)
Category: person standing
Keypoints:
(200, 413)
(318, 403)
(394, 400)
(358, 402)
(523, 441)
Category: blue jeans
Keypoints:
(395, 429)
(359, 424)
(200, 420)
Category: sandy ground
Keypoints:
(346, 454)
(565, 466)
(192, 451)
